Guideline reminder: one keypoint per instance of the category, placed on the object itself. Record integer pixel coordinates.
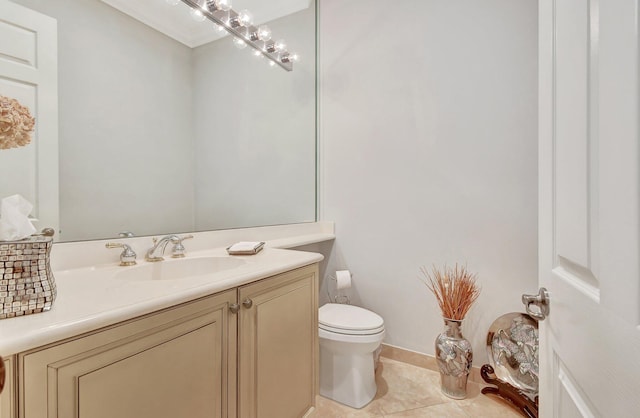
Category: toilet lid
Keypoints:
(348, 319)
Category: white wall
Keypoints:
(428, 149)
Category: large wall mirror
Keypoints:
(160, 133)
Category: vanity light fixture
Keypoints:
(264, 33)
(240, 25)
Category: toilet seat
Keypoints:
(349, 320)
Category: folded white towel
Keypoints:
(245, 247)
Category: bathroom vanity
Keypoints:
(229, 344)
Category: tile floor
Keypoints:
(405, 390)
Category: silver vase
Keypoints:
(454, 355)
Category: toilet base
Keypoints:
(347, 378)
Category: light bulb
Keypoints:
(272, 64)
(280, 45)
(218, 28)
(245, 18)
(224, 5)
(257, 53)
(264, 33)
(239, 43)
(269, 47)
(248, 35)
(294, 57)
(173, 2)
(197, 15)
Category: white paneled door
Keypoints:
(29, 74)
(589, 216)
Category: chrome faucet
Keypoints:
(127, 257)
(162, 243)
(178, 248)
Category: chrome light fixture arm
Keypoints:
(231, 21)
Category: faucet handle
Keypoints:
(178, 249)
(127, 257)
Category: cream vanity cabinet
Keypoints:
(249, 351)
(278, 346)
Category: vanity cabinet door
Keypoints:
(176, 363)
(278, 345)
(7, 396)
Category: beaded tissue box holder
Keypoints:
(27, 284)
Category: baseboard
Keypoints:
(422, 360)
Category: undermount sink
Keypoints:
(179, 269)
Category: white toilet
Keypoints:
(349, 337)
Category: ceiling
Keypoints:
(176, 22)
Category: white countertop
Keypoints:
(93, 297)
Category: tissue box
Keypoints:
(26, 282)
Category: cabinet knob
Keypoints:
(247, 303)
(3, 374)
(234, 308)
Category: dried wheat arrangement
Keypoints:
(455, 288)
